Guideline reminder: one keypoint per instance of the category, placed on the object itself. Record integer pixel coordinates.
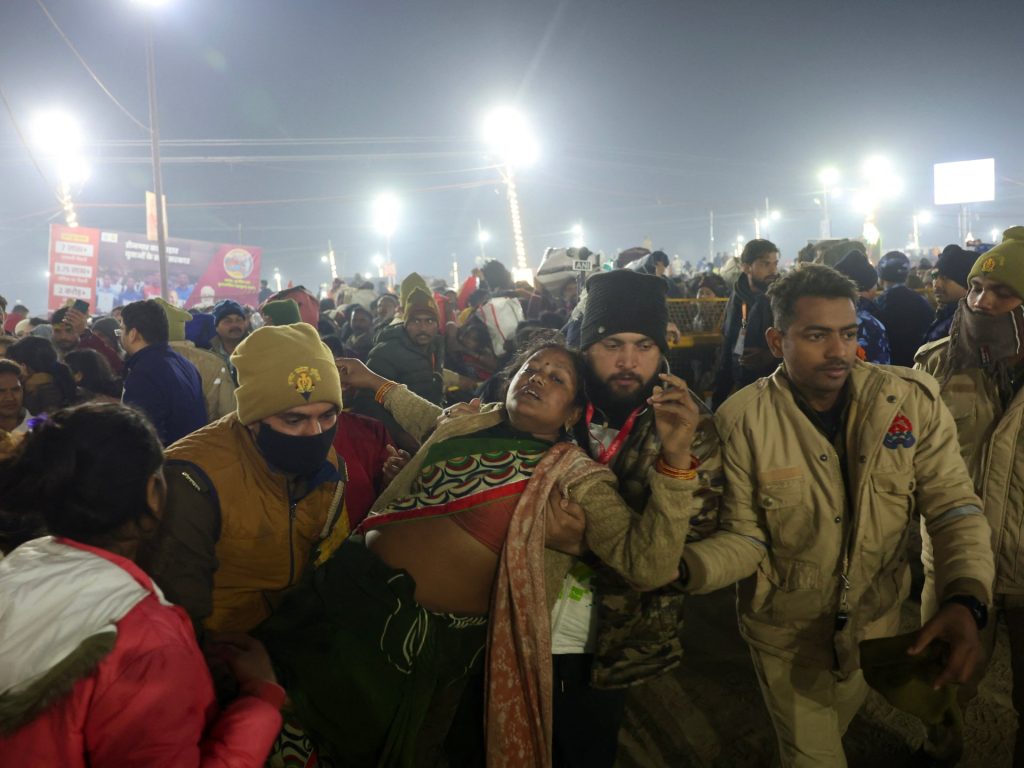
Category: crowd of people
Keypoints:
(454, 525)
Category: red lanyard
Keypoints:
(607, 454)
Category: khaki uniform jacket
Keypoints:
(634, 644)
(992, 446)
(235, 535)
(218, 386)
(786, 526)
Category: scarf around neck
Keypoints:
(994, 344)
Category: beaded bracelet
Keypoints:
(669, 471)
(383, 390)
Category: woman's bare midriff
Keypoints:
(453, 571)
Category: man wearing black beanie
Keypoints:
(632, 637)
(949, 282)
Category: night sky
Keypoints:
(649, 115)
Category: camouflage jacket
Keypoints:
(638, 632)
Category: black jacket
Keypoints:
(906, 315)
(731, 376)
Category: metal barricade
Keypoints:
(699, 321)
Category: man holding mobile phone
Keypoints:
(71, 332)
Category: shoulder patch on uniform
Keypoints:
(191, 474)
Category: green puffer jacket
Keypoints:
(638, 632)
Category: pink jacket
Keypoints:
(148, 702)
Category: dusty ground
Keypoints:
(709, 711)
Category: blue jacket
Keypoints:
(167, 388)
(871, 335)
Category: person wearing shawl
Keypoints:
(980, 370)
(450, 572)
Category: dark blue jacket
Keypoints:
(940, 326)
(906, 315)
(167, 388)
(871, 334)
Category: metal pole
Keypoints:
(517, 222)
(917, 235)
(154, 137)
(711, 236)
(827, 229)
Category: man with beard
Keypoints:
(70, 333)
(250, 495)
(745, 355)
(824, 461)
(980, 370)
(949, 283)
(606, 637)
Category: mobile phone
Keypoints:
(81, 306)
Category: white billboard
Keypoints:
(970, 181)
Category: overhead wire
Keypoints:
(88, 69)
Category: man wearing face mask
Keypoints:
(980, 370)
(250, 495)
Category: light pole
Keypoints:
(921, 217)
(761, 223)
(386, 208)
(882, 184)
(828, 177)
(482, 238)
(154, 142)
(277, 278)
(577, 235)
(509, 135)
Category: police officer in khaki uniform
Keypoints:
(825, 462)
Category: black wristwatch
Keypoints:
(977, 608)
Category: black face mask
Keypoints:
(294, 454)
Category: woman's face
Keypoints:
(540, 396)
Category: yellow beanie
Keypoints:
(1005, 262)
(282, 367)
(176, 319)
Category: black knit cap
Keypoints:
(623, 301)
(855, 265)
(955, 263)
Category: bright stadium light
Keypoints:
(509, 136)
(386, 208)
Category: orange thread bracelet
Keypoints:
(383, 390)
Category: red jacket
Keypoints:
(362, 442)
(89, 340)
(149, 702)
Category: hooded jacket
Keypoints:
(789, 520)
(97, 669)
(991, 439)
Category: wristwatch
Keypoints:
(977, 608)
